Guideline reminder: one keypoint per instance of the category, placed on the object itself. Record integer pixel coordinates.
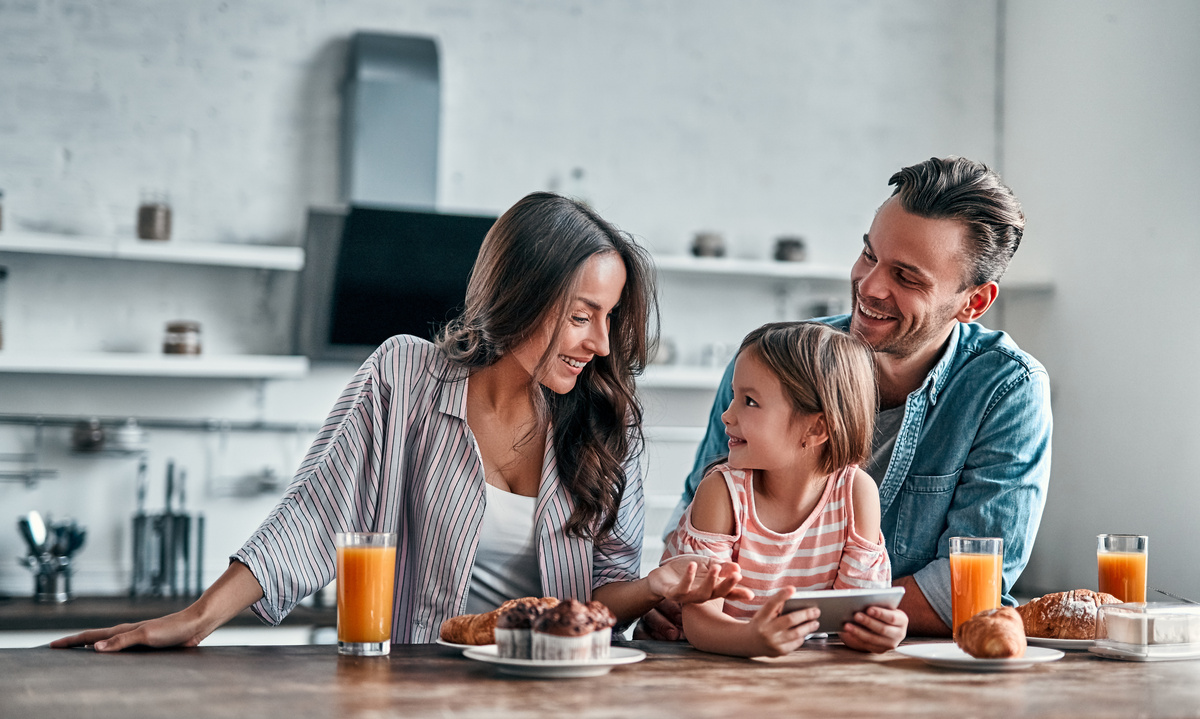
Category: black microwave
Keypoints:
(373, 272)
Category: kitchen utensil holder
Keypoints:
(51, 578)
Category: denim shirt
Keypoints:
(972, 459)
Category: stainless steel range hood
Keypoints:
(390, 118)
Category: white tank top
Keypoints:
(506, 565)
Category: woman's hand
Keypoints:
(693, 579)
(876, 630)
(233, 591)
(777, 634)
(180, 629)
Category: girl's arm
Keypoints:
(878, 629)
(767, 634)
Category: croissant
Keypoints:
(481, 628)
(471, 628)
(992, 634)
(1064, 615)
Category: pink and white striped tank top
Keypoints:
(825, 552)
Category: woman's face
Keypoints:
(585, 335)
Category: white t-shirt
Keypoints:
(506, 565)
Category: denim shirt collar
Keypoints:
(937, 378)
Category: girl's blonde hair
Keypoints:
(826, 370)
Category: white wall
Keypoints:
(1103, 146)
(750, 118)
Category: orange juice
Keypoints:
(365, 580)
(1123, 575)
(974, 584)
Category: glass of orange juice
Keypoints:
(366, 577)
(1121, 561)
(975, 570)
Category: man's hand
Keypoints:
(877, 630)
(664, 623)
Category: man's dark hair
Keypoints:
(955, 188)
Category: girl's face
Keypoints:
(585, 335)
(764, 431)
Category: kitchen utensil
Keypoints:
(87, 436)
(1174, 596)
(129, 437)
(37, 530)
(27, 532)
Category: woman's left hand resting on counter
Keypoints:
(877, 630)
(235, 590)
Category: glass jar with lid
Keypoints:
(182, 338)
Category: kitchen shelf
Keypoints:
(681, 377)
(736, 267)
(153, 365)
(267, 257)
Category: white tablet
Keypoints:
(839, 605)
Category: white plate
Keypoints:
(1174, 653)
(445, 643)
(949, 656)
(547, 669)
(1067, 645)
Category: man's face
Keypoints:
(906, 286)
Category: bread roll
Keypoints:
(992, 634)
(1064, 615)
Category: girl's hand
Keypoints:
(780, 634)
(876, 630)
(693, 579)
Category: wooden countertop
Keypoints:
(675, 680)
(22, 613)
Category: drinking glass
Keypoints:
(975, 571)
(366, 576)
(1121, 564)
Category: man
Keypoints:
(962, 437)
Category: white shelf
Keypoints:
(669, 433)
(681, 377)
(267, 257)
(151, 365)
(735, 267)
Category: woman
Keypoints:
(505, 455)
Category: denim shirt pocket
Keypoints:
(923, 503)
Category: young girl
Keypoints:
(790, 505)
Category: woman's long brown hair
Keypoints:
(527, 271)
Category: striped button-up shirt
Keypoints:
(396, 455)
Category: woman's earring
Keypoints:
(804, 444)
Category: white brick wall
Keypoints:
(752, 118)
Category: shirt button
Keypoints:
(420, 623)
